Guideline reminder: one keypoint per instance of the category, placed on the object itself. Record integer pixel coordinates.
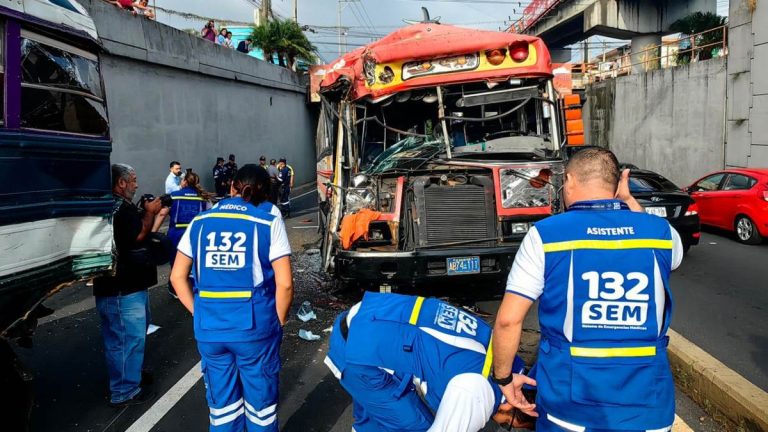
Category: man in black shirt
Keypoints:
(220, 178)
(122, 299)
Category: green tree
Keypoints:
(285, 39)
(696, 23)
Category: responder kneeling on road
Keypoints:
(416, 364)
(243, 290)
(601, 275)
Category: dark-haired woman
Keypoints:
(243, 290)
(188, 202)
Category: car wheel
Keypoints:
(746, 231)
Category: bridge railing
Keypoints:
(670, 53)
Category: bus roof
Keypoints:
(429, 54)
(66, 15)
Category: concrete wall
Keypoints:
(175, 96)
(670, 121)
(747, 105)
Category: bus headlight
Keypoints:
(359, 198)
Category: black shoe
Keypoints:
(142, 396)
(147, 379)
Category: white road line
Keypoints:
(680, 425)
(304, 194)
(154, 414)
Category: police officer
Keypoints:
(601, 274)
(416, 364)
(220, 179)
(285, 180)
(242, 293)
(187, 202)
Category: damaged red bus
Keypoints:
(438, 147)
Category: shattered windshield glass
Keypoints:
(409, 153)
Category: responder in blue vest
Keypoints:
(243, 290)
(187, 202)
(601, 274)
(416, 364)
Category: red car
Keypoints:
(735, 200)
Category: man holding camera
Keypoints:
(122, 299)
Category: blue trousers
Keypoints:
(380, 403)
(241, 381)
(124, 321)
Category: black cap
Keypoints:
(219, 159)
(231, 157)
(263, 158)
(282, 160)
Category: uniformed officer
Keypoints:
(285, 180)
(220, 179)
(187, 202)
(416, 364)
(601, 274)
(243, 290)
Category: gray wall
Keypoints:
(174, 96)
(747, 128)
(670, 121)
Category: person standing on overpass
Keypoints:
(601, 274)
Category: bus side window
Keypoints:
(61, 87)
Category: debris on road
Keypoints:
(305, 312)
(308, 335)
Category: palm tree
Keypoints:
(284, 38)
(699, 22)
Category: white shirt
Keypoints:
(527, 275)
(278, 248)
(172, 183)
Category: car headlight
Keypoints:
(360, 198)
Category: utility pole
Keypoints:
(296, 10)
(266, 11)
(342, 5)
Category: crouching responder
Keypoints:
(418, 364)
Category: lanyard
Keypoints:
(599, 205)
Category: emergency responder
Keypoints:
(601, 275)
(188, 202)
(220, 178)
(285, 181)
(274, 189)
(416, 364)
(243, 290)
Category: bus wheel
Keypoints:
(15, 393)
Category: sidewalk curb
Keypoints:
(716, 387)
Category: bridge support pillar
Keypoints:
(645, 53)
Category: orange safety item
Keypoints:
(355, 226)
(574, 125)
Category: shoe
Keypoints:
(142, 396)
(147, 379)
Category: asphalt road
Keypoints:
(70, 378)
(721, 303)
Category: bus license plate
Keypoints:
(657, 211)
(463, 265)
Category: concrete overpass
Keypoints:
(564, 22)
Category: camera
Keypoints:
(165, 200)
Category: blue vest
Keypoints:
(186, 205)
(426, 342)
(604, 313)
(235, 283)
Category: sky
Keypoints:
(366, 20)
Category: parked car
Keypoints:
(663, 198)
(735, 200)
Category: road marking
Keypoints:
(155, 413)
(680, 425)
(304, 194)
